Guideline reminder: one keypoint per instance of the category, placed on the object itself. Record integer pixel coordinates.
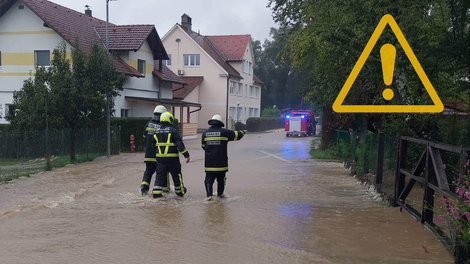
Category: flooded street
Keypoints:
(282, 207)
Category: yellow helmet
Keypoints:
(167, 117)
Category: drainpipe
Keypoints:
(227, 106)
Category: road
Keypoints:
(282, 207)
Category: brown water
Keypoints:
(280, 209)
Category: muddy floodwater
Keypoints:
(281, 207)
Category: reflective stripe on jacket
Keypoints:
(167, 143)
(149, 131)
(214, 142)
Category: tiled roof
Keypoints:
(181, 92)
(74, 26)
(257, 80)
(208, 47)
(127, 37)
(231, 47)
(166, 75)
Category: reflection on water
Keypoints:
(276, 212)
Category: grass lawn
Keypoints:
(329, 153)
(61, 161)
(9, 162)
(10, 175)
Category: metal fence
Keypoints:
(372, 156)
(36, 144)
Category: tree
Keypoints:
(284, 86)
(73, 91)
(329, 37)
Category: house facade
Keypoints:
(31, 29)
(219, 73)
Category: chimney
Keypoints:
(88, 11)
(186, 22)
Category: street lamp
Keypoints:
(108, 103)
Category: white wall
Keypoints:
(246, 102)
(192, 97)
(212, 92)
(21, 33)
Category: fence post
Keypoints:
(428, 198)
(86, 142)
(380, 159)
(119, 140)
(63, 143)
(355, 145)
(366, 164)
(401, 164)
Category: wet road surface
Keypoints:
(282, 207)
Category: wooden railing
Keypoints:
(435, 182)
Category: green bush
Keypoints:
(254, 124)
(240, 126)
(133, 126)
(271, 112)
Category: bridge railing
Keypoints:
(428, 188)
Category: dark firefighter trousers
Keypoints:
(163, 168)
(209, 182)
(151, 168)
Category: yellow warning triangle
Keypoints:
(436, 108)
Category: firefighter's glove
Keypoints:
(188, 159)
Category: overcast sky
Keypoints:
(211, 17)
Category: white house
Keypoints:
(219, 73)
(31, 29)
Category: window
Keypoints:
(246, 90)
(167, 62)
(250, 112)
(192, 59)
(239, 113)
(256, 112)
(141, 66)
(125, 112)
(232, 113)
(254, 92)
(247, 67)
(10, 110)
(240, 89)
(42, 58)
(233, 86)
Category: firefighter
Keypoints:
(214, 143)
(168, 143)
(150, 159)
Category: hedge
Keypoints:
(240, 126)
(133, 126)
(255, 124)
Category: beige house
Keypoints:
(31, 29)
(219, 73)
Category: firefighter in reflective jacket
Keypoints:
(150, 158)
(214, 143)
(168, 143)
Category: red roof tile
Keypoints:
(166, 75)
(232, 47)
(74, 26)
(127, 37)
(181, 92)
(208, 47)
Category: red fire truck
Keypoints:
(300, 123)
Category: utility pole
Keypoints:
(108, 116)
